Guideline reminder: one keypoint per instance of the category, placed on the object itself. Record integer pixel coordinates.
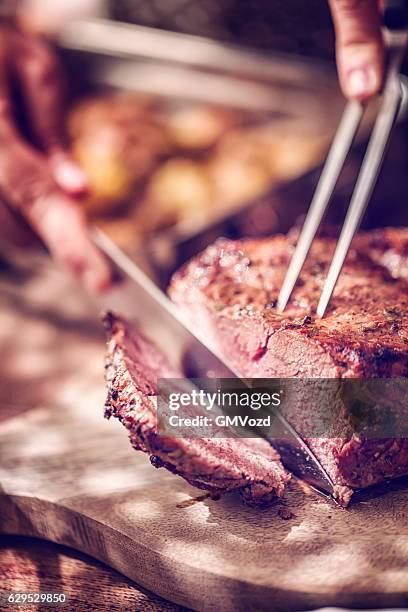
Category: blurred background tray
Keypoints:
(178, 133)
(186, 139)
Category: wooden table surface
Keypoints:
(31, 565)
(27, 564)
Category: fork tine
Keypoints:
(342, 142)
(364, 185)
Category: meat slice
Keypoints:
(389, 248)
(231, 290)
(133, 366)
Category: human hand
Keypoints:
(359, 46)
(38, 179)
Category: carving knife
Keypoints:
(143, 301)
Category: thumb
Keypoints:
(41, 78)
(359, 46)
(66, 172)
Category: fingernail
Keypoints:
(361, 82)
(70, 177)
(90, 280)
(94, 282)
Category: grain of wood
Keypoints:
(28, 565)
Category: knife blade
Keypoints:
(162, 321)
(142, 300)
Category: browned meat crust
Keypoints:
(231, 290)
(133, 366)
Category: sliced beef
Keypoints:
(133, 366)
(231, 291)
(389, 248)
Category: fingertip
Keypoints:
(99, 281)
(65, 232)
(361, 69)
(69, 176)
(359, 47)
(93, 281)
(98, 274)
(91, 270)
(361, 83)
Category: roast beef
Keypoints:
(231, 291)
(133, 367)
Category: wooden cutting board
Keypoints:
(69, 476)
